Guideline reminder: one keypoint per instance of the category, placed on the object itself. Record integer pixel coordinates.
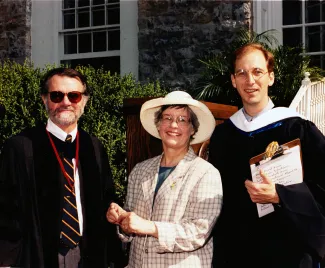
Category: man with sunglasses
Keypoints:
(56, 187)
(293, 235)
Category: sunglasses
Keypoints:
(73, 96)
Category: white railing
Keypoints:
(310, 101)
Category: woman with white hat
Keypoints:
(173, 200)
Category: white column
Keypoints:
(44, 32)
(129, 37)
(268, 16)
(306, 82)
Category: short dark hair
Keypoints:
(251, 47)
(44, 89)
(193, 118)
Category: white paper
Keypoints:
(285, 169)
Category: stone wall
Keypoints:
(174, 34)
(15, 32)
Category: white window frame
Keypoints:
(304, 25)
(63, 57)
(268, 15)
(47, 43)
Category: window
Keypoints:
(304, 23)
(91, 33)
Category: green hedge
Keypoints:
(19, 93)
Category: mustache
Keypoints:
(64, 108)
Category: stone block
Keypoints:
(15, 32)
(178, 32)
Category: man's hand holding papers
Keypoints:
(284, 168)
(262, 192)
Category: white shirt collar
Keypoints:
(268, 117)
(58, 132)
(268, 107)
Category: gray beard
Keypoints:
(63, 122)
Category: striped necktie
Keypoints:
(70, 231)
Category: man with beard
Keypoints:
(56, 186)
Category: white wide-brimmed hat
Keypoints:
(205, 117)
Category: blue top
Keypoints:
(162, 176)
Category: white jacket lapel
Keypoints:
(149, 182)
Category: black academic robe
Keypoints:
(31, 202)
(294, 235)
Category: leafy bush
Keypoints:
(289, 69)
(19, 93)
(290, 65)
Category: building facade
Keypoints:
(152, 39)
(15, 30)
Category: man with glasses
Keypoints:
(293, 235)
(56, 186)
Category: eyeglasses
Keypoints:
(257, 74)
(181, 121)
(73, 96)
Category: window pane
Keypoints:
(292, 36)
(85, 42)
(83, 3)
(313, 38)
(83, 17)
(318, 60)
(323, 11)
(69, 3)
(70, 43)
(108, 63)
(291, 12)
(114, 40)
(313, 11)
(98, 15)
(68, 19)
(99, 41)
(113, 14)
(98, 2)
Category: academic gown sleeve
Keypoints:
(115, 253)
(105, 173)
(217, 147)
(304, 203)
(11, 177)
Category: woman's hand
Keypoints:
(114, 212)
(132, 223)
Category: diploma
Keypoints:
(284, 168)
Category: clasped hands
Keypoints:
(263, 192)
(130, 222)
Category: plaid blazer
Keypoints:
(185, 210)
